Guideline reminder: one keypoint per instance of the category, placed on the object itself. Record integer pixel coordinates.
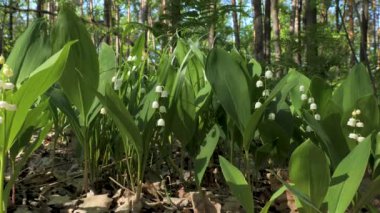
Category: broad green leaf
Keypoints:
(82, 63)
(347, 177)
(321, 92)
(237, 184)
(39, 82)
(333, 140)
(205, 153)
(183, 119)
(230, 86)
(309, 171)
(355, 86)
(107, 66)
(31, 49)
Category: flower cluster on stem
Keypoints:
(356, 124)
(5, 87)
(262, 83)
(312, 105)
(160, 107)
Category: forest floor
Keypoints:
(53, 182)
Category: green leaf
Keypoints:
(309, 171)
(355, 86)
(183, 120)
(347, 177)
(39, 82)
(82, 63)
(205, 153)
(31, 49)
(230, 85)
(256, 67)
(237, 184)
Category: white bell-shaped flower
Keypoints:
(7, 71)
(259, 83)
(155, 105)
(2, 60)
(272, 116)
(103, 111)
(164, 94)
(360, 124)
(313, 106)
(309, 129)
(351, 122)
(265, 92)
(303, 97)
(117, 84)
(258, 105)
(360, 139)
(317, 117)
(353, 136)
(158, 89)
(268, 74)
(162, 109)
(11, 107)
(310, 100)
(302, 88)
(161, 122)
(8, 86)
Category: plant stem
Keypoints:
(2, 174)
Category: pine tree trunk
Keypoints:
(258, 50)
(364, 32)
(143, 16)
(211, 31)
(108, 19)
(236, 25)
(276, 29)
(337, 26)
(267, 31)
(310, 29)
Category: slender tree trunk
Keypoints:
(10, 23)
(143, 16)
(337, 25)
(293, 16)
(211, 31)
(52, 9)
(374, 25)
(267, 31)
(108, 19)
(27, 14)
(175, 14)
(40, 7)
(351, 29)
(295, 31)
(258, 50)
(324, 12)
(364, 32)
(276, 29)
(236, 25)
(81, 7)
(117, 37)
(310, 29)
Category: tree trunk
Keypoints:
(107, 10)
(117, 37)
(236, 25)
(258, 50)
(374, 25)
(52, 9)
(175, 14)
(295, 25)
(10, 23)
(40, 7)
(364, 32)
(310, 29)
(350, 28)
(276, 29)
(143, 16)
(211, 31)
(337, 15)
(27, 13)
(267, 31)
